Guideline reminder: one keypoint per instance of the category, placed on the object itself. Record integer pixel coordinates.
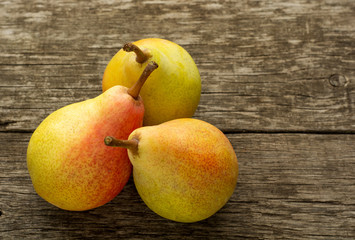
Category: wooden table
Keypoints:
(278, 78)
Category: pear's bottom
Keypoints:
(180, 205)
(75, 197)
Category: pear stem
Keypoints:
(136, 88)
(141, 56)
(129, 144)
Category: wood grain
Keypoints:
(269, 64)
(278, 77)
(291, 186)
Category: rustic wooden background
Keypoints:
(278, 77)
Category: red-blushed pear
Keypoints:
(184, 170)
(174, 90)
(68, 162)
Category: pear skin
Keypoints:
(185, 170)
(68, 162)
(174, 90)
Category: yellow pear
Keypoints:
(174, 90)
(184, 170)
(68, 162)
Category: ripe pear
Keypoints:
(69, 165)
(184, 170)
(174, 90)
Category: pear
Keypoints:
(69, 165)
(184, 170)
(174, 90)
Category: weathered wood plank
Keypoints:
(272, 65)
(268, 66)
(291, 186)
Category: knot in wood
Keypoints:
(338, 80)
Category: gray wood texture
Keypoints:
(291, 186)
(278, 77)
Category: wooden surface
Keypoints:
(278, 77)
